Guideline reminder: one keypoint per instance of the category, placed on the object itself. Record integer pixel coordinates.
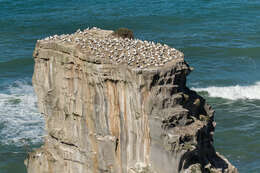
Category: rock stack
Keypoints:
(119, 106)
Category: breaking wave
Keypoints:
(233, 92)
(20, 121)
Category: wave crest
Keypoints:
(233, 92)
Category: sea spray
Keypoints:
(20, 120)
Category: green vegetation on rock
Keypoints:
(124, 33)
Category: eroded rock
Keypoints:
(119, 106)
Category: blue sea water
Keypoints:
(220, 39)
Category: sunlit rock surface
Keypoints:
(119, 106)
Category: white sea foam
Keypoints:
(19, 118)
(233, 92)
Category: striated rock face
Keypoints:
(119, 106)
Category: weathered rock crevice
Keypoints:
(119, 106)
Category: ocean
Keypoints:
(220, 39)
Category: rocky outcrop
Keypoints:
(119, 106)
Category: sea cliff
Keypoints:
(119, 106)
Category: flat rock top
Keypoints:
(103, 45)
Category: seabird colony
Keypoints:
(134, 52)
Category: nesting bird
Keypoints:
(134, 52)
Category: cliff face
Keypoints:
(119, 106)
